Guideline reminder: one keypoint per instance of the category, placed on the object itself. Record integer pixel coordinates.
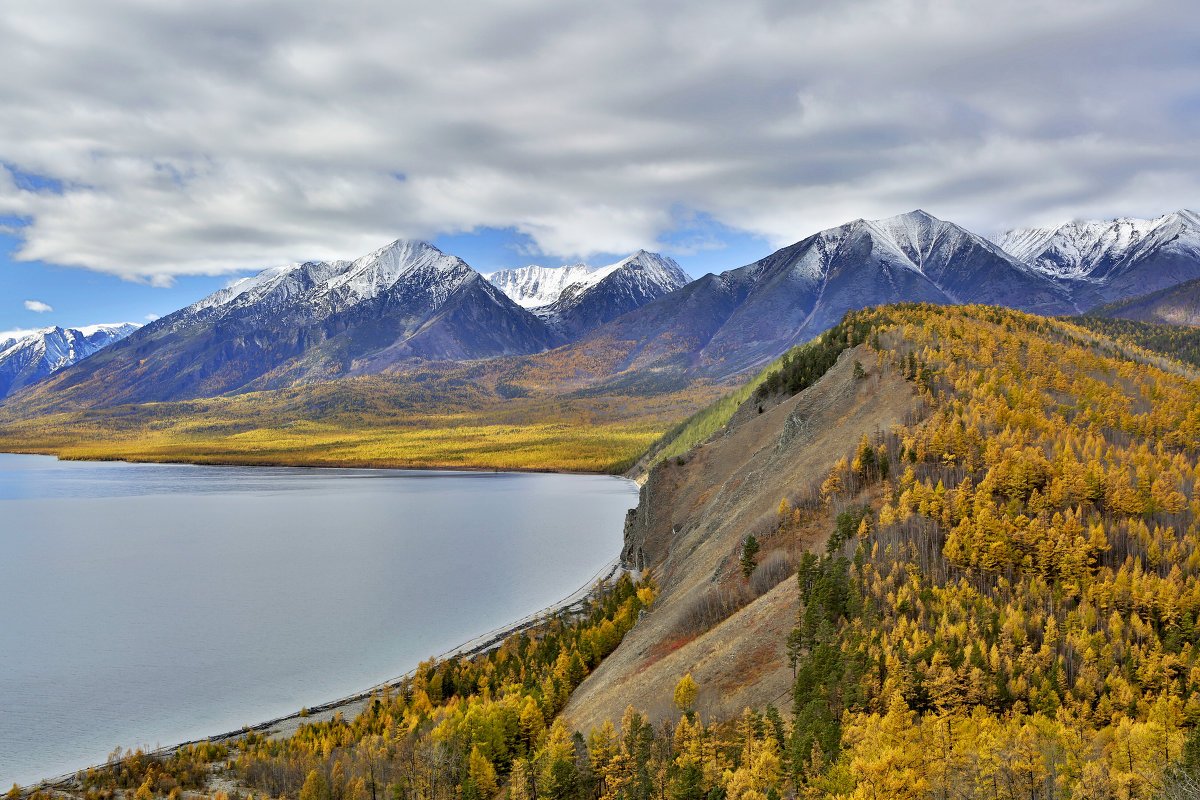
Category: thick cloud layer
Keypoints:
(155, 138)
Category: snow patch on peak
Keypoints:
(121, 328)
(644, 259)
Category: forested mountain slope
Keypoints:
(998, 549)
(1178, 342)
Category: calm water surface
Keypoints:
(150, 604)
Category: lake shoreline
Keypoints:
(516, 518)
(302, 464)
(351, 705)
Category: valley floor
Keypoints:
(350, 429)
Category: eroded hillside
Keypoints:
(688, 528)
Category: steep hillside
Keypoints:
(694, 513)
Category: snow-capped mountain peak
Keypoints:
(534, 286)
(576, 298)
(915, 241)
(325, 287)
(36, 355)
(1095, 250)
(917, 233)
(378, 271)
(1187, 216)
(660, 266)
(911, 256)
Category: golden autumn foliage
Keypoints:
(375, 421)
(1017, 614)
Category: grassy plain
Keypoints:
(366, 422)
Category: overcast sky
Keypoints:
(159, 140)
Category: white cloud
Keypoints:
(37, 306)
(216, 137)
(20, 333)
(151, 317)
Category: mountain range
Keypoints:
(35, 356)
(405, 303)
(637, 320)
(724, 324)
(1106, 261)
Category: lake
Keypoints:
(143, 605)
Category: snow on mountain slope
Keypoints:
(322, 288)
(723, 324)
(1097, 251)
(608, 292)
(961, 265)
(409, 261)
(28, 359)
(405, 302)
(649, 271)
(534, 286)
(275, 284)
(537, 287)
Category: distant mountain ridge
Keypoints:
(317, 320)
(720, 325)
(26, 360)
(578, 298)
(1103, 261)
(1175, 305)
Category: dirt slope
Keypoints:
(689, 526)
